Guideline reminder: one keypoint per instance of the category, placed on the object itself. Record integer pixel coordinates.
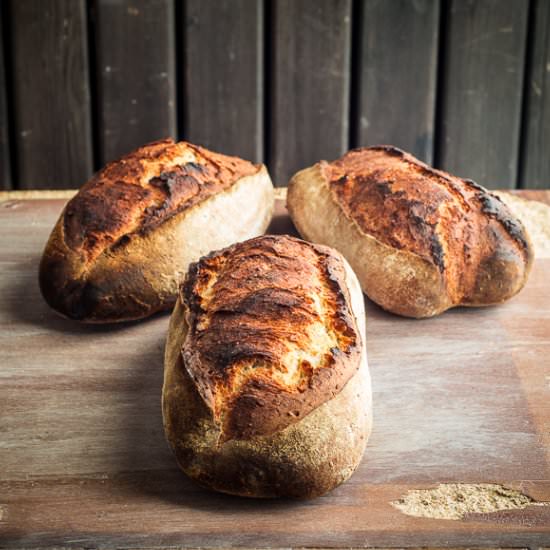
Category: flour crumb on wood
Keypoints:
(456, 500)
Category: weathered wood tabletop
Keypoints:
(459, 399)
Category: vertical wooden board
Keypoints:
(482, 90)
(310, 84)
(136, 74)
(5, 168)
(397, 71)
(51, 91)
(223, 63)
(536, 145)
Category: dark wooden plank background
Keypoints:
(397, 72)
(51, 99)
(222, 60)
(535, 166)
(310, 83)
(484, 54)
(463, 84)
(5, 163)
(135, 74)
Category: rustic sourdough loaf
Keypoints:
(123, 244)
(266, 386)
(420, 240)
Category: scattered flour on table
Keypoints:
(455, 500)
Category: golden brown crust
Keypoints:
(304, 460)
(271, 333)
(123, 244)
(143, 189)
(468, 234)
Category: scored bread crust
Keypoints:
(267, 316)
(420, 240)
(278, 453)
(123, 244)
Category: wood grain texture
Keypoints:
(397, 68)
(5, 163)
(482, 91)
(135, 71)
(51, 92)
(83, 461)
(535, 158)
(310, 84)
(223, 84)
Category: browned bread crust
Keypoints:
(474, 250)
(118, 214)
(266, 385)
(271, 333)
(143, 189)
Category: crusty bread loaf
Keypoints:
(123, 244)
(420, 240)
(266, 386)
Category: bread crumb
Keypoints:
(456, 500)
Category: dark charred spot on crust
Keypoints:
(438, 254)
(419, 214)
(267, 301)
(473, 185)
(467, 250)
(222, 353)
(342, 316)
(382, 188)
(122, 242)
(196, 167)
(181, 189)
(187, 294)
(341, 181)
(496, 209)
(167, 182)
(177, 182)
(390, 149)
(259, 308)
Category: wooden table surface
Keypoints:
(462, 398)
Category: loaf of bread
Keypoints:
(420, 240)
(266, 385)
(123, 244)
